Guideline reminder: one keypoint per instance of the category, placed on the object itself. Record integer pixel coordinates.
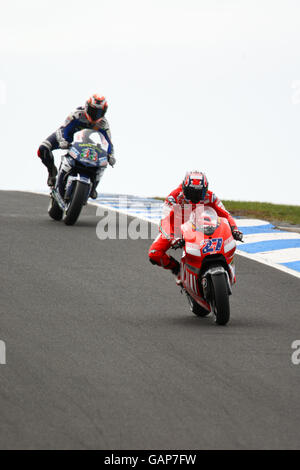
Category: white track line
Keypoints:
(282, 256)
(260, 259)
(262, 237)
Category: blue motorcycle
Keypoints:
(83, 164)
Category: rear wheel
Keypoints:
(54, 210)
(196, 308)
(221, 305)
(78, 198)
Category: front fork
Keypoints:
(71, 181)
(206, 283)
(63, 202)
(54, 194)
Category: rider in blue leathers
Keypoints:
(91, 116)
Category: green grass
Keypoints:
(264, 210)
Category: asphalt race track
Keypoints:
(103, 352)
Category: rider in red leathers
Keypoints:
(192, 191)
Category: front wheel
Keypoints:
(196, 308)
(220, 300)
(78, 198)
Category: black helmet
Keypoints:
(95, 108)
(195, 186)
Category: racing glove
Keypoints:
(64, 144)
(177, 243)
(111, 160)
(237, 235)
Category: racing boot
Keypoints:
(52, 172)
(174, 266)
(94, 193)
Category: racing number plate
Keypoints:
(212, 246)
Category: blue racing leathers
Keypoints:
(64, 135)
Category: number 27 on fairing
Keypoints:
(212, 246)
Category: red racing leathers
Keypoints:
(177, 204)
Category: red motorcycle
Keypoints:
(207, 272)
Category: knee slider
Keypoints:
(153, 257)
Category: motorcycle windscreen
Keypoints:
(204, 219)
(91, 136)
(90, 147)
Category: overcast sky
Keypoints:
(201, 84)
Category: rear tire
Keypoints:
(220, 299)
(78, 198)
(54, 210)
(196, 308)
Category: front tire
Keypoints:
(54, 210)
(78, 198)
(221, 305)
